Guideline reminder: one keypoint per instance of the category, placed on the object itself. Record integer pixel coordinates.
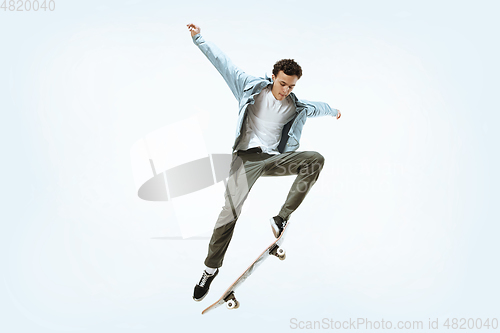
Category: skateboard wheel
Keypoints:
(281, 254)
(232, 304)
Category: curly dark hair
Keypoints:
(288, 66)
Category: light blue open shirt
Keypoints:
(245, 87)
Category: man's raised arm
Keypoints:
(235, 78)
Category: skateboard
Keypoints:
(228, 297)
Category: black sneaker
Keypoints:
(201, 289)
(277, 224)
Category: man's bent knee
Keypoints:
(316, 159)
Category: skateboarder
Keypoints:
(270, 122)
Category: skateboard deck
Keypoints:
(228, 296)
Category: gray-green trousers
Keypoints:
(246, 168)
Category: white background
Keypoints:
(401, 225)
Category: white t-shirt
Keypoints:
(264, 122)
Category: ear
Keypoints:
(273, 77)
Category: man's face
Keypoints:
(283, 85)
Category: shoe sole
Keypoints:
(199, 299)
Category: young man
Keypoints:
(269, 126)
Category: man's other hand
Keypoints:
(194, 29)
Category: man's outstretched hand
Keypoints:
(194, 29)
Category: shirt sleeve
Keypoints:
(318, 109)
(235, 78)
